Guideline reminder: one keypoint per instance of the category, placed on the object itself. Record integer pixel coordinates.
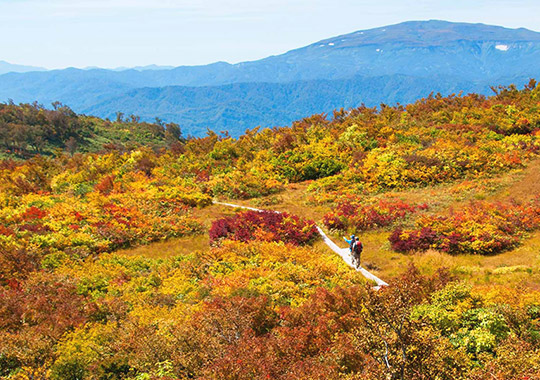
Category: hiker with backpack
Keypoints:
(356, 248)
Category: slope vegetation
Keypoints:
(117, 264)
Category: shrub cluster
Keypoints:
(95, 204)
(351, 214)
(30, 129)
(480, 228)
(244, 185)
(266, 226)
(82, 228)
(255, 310)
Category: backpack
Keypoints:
(357, 248)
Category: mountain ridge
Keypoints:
(7, 67)
(439, 32)
(426, 50)
(219, 106)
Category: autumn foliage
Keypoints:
(261, 301)
(265, 226)
(358, 216)
(480, 228)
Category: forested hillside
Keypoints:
(115, 264)
(30, 129)
(241, 106)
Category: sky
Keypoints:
(127, 33)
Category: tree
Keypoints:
(71, 145)
(119, 117)
(173, 134)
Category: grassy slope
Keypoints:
(521, 265)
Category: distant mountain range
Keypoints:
(397, 63)
(240, 106)
(138, 68)
(6, 67)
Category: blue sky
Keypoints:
(112, 33)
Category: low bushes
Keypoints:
(266, 226)
(349, 214)
(480, 228)
(245, 185)
(101, 223)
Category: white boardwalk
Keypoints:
(343, 252)
(347, 257)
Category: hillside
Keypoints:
(29, 129)
(237, 107)
(428, 52)
(119, 265)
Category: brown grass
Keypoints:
(526, 183)
(169, 248)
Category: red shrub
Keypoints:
(16, 263)
(106, 185)
(416, 240)
(33, 213)
(34, 228)
(264, 225)
(479, 228)
(350, 214)
(6, 231)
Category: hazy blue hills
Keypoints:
(6, 67)
(138, 68)
(396, 63)
(70, 86)
(239, 106)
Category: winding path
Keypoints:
(343, 252)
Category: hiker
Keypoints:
(356, 248)
(357, 252)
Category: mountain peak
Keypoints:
(431, 33)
